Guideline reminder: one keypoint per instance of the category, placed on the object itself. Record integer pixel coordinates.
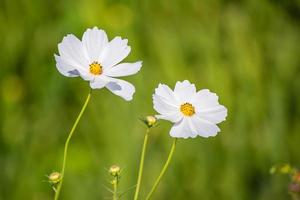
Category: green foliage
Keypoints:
(246, 51)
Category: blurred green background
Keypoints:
(245, 51)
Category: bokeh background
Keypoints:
(245, 51)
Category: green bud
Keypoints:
(150, 121)
(115, 170)
(54, 177)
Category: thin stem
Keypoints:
(57, 193)
(115, 186)
(138, 185)
(163, 170)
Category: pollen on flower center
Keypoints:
(187, 109)
(95, 68)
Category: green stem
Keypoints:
(115, 185)
(138, 185)
(67, 145)
(163, 170)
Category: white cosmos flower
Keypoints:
(97, 60)
(193, 113)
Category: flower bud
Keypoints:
(115, 170)
(150, 120)
(54, 177)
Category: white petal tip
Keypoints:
(139, 65)
(127, 98)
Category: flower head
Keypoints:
(97, 60)
(193, 113)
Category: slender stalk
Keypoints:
(115, 186)
(163, 170)
(57, 193)
(138, 185)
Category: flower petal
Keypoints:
(98, 82)
(121, 88)
(163, 107)
(172, 117)
(71, 49)
(216, 114)
(123, 69)
(167, 95)
(204, 128)
(94, 40)
(208, 107)
(65, 67)
(114, 52)
(181, 129)
(194, 131)
(204, 99)
(184, 90)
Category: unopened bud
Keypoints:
(150, 120)
(54, 177)
(115, 170)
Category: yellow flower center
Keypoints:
(187, 109)
(95, 68)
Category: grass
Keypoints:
(247, 52)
